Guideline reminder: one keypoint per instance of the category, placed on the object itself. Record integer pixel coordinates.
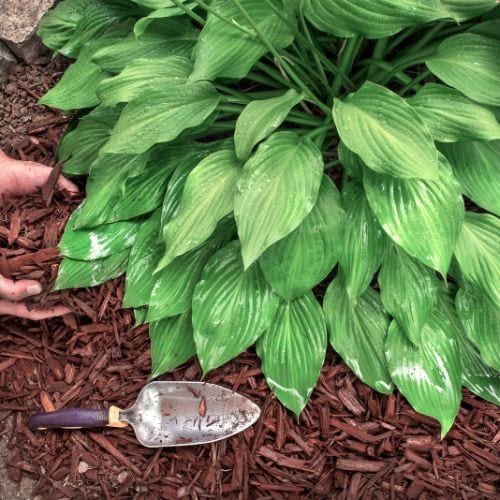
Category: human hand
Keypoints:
(20, 178)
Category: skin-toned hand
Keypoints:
(19, 178)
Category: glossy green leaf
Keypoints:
(452, 117)
(84, 273)
(477, 251)
(105, 190)
(293, 349)
(144, 256)
(465, 9)
(481, 321)
(364, 241)
(77, 87)
(161, 39)
(171, 343)
(352, 163)
(160, 116)
(430, 375)
(301, 260)
(223, 50)
(231, 307)
(277, 189)
(97, 242)
(158, 4)
(169, 9)
(357, 332)
(471, 63)
(476, 166)
(371, 18)
(143, 75)
(408, 291)
(423, 217)
(206, 199)
(140, 315)
(259, 118)
(375, 123)
(79, 147)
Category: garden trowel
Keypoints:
(165, 414)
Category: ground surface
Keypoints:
(350, 442)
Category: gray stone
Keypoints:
(18, 22)
(6, 61)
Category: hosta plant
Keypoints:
(240, 152)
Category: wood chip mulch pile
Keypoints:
(350, 442)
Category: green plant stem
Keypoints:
(401, 37)
(255, 77)
(414, 84)
(276, 75)
(348, 57)
(331, 164)
(402, 77)
(429, 35)
(379, 52)
(189, 12)
(320, 130)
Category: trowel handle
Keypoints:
(76, 418)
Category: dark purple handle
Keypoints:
(69, 417)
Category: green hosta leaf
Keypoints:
(259, 118)
(477, 251)
(159, 4)
(481, 321)
(84, 273)
(97, 242)
(143, 75)
(223, 50)
(161, 115)
(105, 190)
(375, 123)
(171, 343)
(293, 349)
(430, 375)
(452, 117)
(140, 315)
(471, 63)
(304, 258)
(476, 166)
(77, 87)
(423, 217)
(489, 28)
(170, 10)
(144, 257)
(465, 9)
(207, 198)
(162, 38)
(364, 242)
(352, 163)
(408, 291)
(357, 332)
(80, 147)
(371, 18)
(278, 188)
(231, 307)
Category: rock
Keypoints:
(6, 61)
(18, 22)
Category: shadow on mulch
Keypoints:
(350, 442)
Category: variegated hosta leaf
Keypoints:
(259, 118)
(375, 123)
(408, 291)
(357, 332)
(105, 190)
(225, 51)
(477, 251)
(293, 349)
(481, 321)
(79, 148)
(84, 273)
(476, 166)
(364, 241)
(231, 307)
(428, 375)
(301, 260)
(142, 75)
(470, 62)
(277, 189)
(144, 257)
(171, 343)
(371, 18)
(206, 199)
(423, 217)
(452, 117)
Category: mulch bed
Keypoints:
(350, 442)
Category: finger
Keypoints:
(18, 290)
(20, 310)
